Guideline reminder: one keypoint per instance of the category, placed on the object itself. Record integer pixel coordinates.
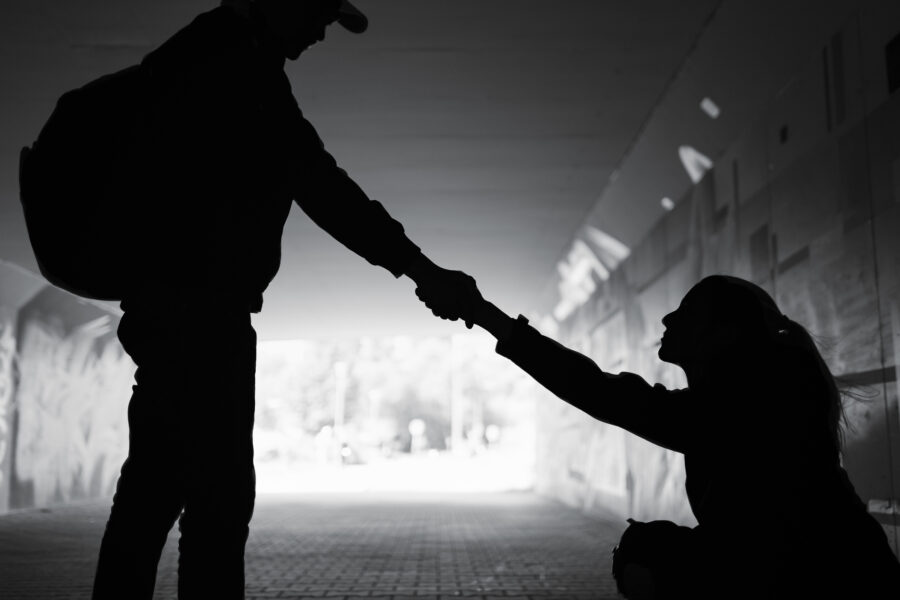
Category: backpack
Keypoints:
(75, 183)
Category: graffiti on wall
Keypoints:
(72, 433)
(7, 383)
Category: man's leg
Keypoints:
(220, 488)
(149, 494)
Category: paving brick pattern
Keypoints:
(499, 546)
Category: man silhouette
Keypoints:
(225, 153)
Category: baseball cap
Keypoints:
(351, 18)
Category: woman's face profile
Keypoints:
(688, 329)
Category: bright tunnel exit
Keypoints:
(409, 414)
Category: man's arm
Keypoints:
(338, 205)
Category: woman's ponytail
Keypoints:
(793, 335)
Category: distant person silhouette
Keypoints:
(760, 427)
(226, 154)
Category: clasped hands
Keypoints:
(448, 294)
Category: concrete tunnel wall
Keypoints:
(64, 385)
(806, 203)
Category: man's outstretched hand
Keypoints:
(449, 294)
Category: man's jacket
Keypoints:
(228, 151)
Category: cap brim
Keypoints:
(351, 18)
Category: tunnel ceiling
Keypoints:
(490, 129)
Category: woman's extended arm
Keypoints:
(626, 400)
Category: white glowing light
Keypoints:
(710, 108)
(417, 427)
(375, 450)
(695, 162)
(667, 203)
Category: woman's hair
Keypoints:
(833, 410)
(767, 333)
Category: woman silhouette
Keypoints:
(760, 427)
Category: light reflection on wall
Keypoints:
(429, 414)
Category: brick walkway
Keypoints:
(495, 546)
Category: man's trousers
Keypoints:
(190, 451)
